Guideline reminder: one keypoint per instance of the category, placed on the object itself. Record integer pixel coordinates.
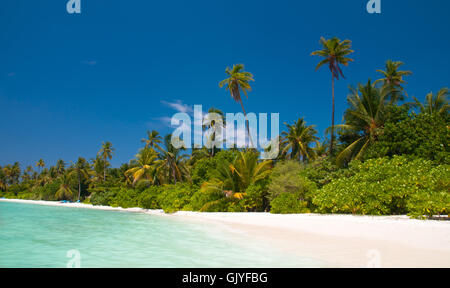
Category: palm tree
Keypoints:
(364, 119)
(335, 53)
(232, 179)
(64, 192)
(146, 165)
(106, 153)
(238, 80)
(215, 128)
(81, 169)
(153, 139)
(321, 149)
(172, 164)
(60, 167)
(98, 168)
(3, 180)
(434, 103)
(298, 139)
(40, 164)
(393, 78)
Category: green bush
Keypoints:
(286, 178)
(287, 203)
(101, 197)
(387, 186)
(200, 198)
(148, 199)
(255, 198)
(175, 197)
(125, 198)
(48, 191)
(424, 135)
(322, 171)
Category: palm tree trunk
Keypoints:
(332, 115)
(79, 187)
(104, 169)
(246, 123)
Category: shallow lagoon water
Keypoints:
(41, 236)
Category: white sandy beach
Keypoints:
(338, 240)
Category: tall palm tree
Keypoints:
(40, 164)
(335, 53)
(364, 119)
(81, 169)
(64, 191)
(153, 139)
(434, 103)
(106, 153)
(146, 159)
(238, 80)
(393, 78)
(296, 142)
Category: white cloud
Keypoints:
(178, 106)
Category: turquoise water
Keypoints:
(41, 236)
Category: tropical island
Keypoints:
(389, 156)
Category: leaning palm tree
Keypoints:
(393, 78)
(434, 103)
(64, 191)
(364, 119)
(296, 142)
(238, 80)
(106, 153)
(335, 53)
(153, 139)
(81, 169)
(146, 160)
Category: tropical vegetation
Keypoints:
(389, 156)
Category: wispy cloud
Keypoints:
(11, 74)
(89, 62)
(179, 106)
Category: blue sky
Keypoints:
(69, 82)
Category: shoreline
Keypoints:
(338, 240)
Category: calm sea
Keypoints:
(47, 236)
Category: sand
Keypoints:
(336, 240)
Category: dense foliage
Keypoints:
(388, 158)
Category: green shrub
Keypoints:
(175, 197)
(255, 198)
(101, 197)
(148, 199)
(125, 198)
(287, 203)
(424, 135)
(387, 186)
(322, 171)
(200, 198)
(286, 178)
(48, 191)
